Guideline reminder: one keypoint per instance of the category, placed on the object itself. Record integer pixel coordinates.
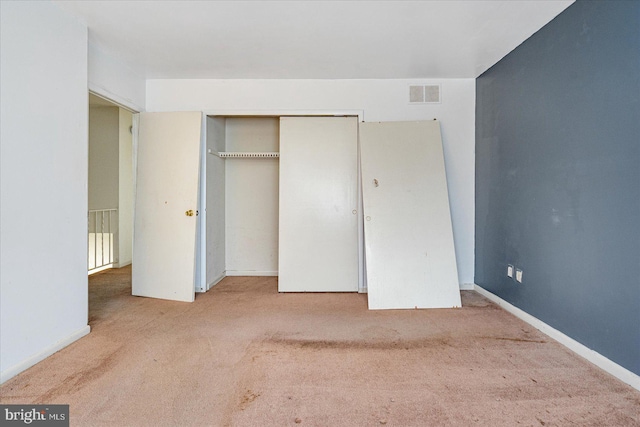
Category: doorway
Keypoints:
(111, 165)
(110, 187)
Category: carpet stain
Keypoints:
(248, 397)
(396, 344)
(514, 339)
(75, 382)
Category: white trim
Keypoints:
(119, 101)
(200, 276)
(217, 280)
(251, 273)
(362, 273)
(7, 374)
(592, 356)
(467, 286)
(281, 113)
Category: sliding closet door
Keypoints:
(166, 205)
(318, 236)
(409, 248)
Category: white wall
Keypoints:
(125, 188)
(103, 157)
(115, 80)
(381, 100)
(43, 167)
(251, 198)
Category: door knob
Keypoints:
(189, 213)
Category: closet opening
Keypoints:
(242, 180)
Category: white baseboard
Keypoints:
(217, 280)
(7, 374)
(592, 356)
(251, 273)
(121, 264)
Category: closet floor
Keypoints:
(244, 355)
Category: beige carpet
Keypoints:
(244, 355)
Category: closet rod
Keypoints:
(244, 154)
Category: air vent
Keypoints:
(429, 94)
(416, 94)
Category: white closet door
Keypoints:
(318, 238)
(409, 248)
(167, 189)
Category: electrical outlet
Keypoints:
(518, 275)
(510, 271)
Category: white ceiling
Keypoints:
(312, 39)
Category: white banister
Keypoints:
(103, 226)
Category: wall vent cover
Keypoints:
(428, 94)
(416, 94)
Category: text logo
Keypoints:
(34, 415)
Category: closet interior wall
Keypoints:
(242, 198)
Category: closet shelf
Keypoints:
(244, 154)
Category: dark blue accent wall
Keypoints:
(558, 177)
